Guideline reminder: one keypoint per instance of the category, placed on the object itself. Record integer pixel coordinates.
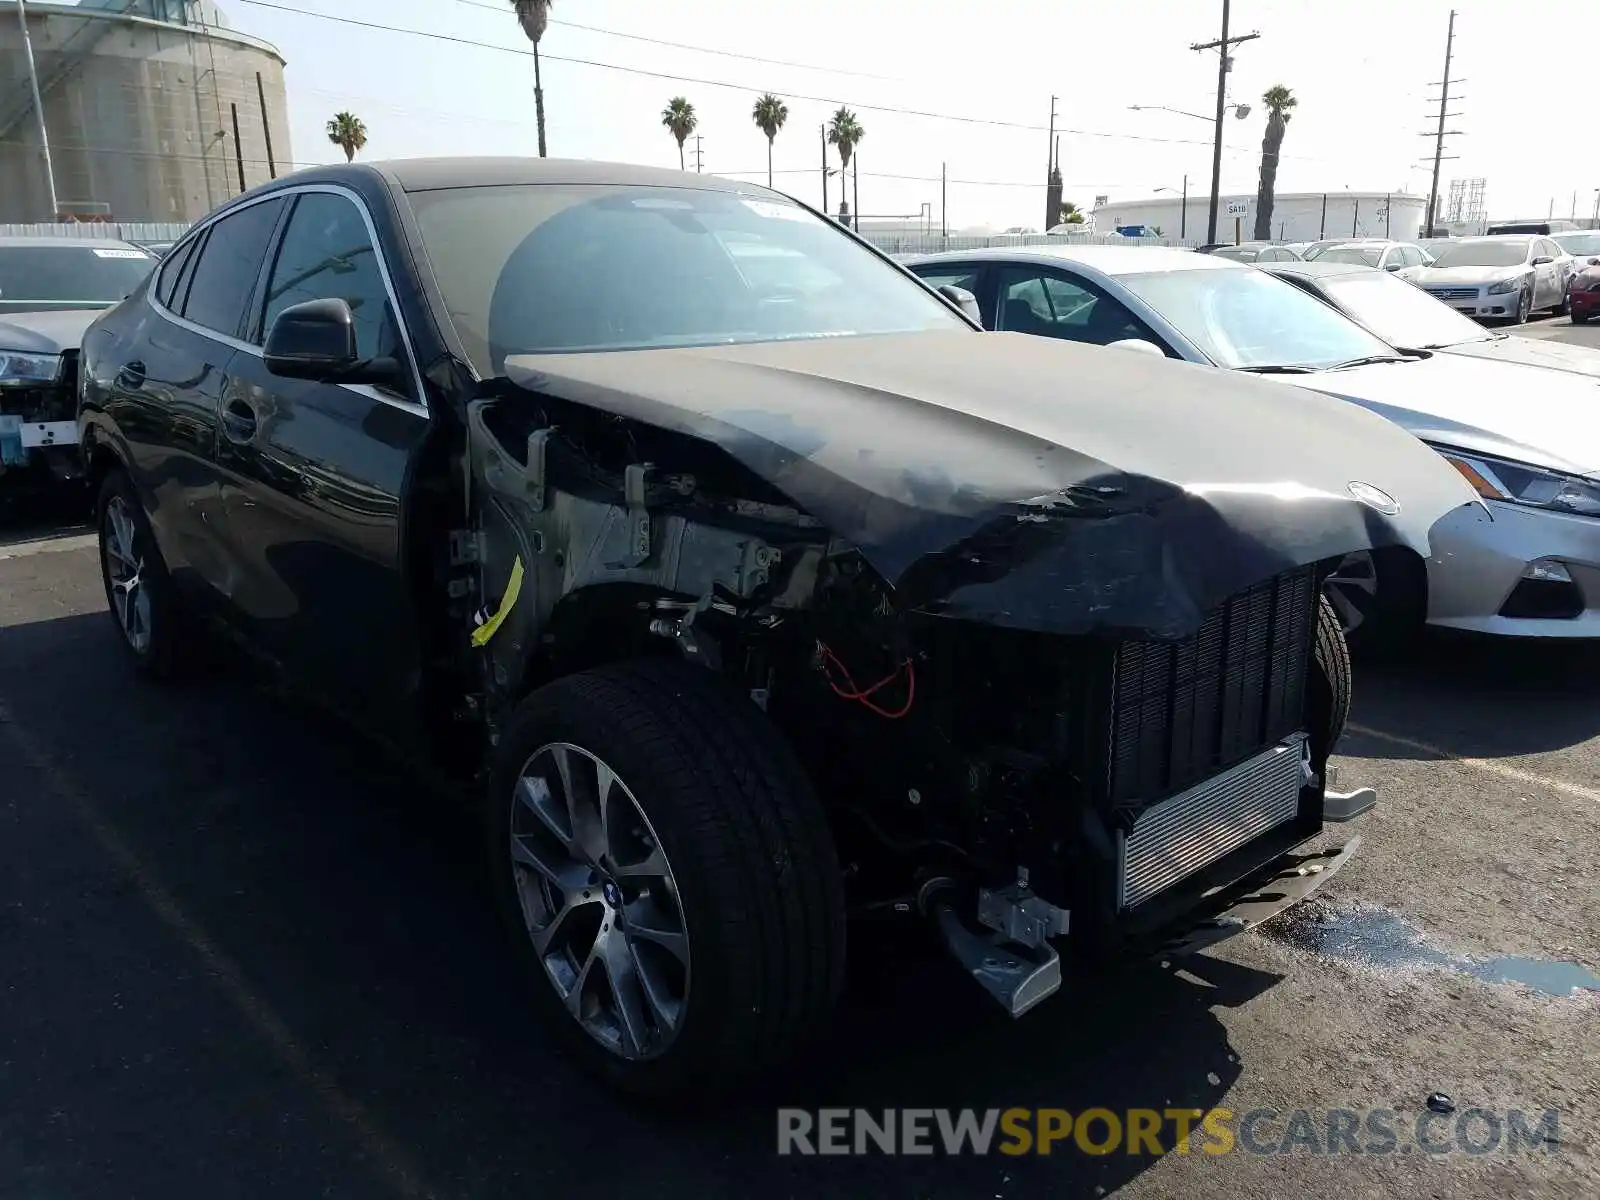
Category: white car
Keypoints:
(1403, 258)
(1525, 438)
(1584, 246)
(1504, 277)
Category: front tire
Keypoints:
(1333, 681)
(138, 587)
(1524, 306)
(1379, 598)
(668, 878)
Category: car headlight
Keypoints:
(1519, 483)
(28, 370)
(1506, 285)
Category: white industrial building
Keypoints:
(1296, 216)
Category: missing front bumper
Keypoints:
(1286, 883)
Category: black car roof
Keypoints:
(429, 174)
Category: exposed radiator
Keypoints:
(1183, 711)
(1181, 835)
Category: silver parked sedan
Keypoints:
(1409, 318)
(1504, 278)
(1529, 567)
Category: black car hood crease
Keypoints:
(1033, 483)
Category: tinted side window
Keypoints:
(172, 270)
(327, 254)
(229, 265)
(1052, 305)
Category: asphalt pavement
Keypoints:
(242, 955)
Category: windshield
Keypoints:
(1317, 249)
(1510, 253)
(529, 269)
(1240, 253)
(70, 276)
(1247, 318)
(1366, 256)
(1400, 313)
(1579, 243)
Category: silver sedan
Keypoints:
(1525, 563)
(1502, 278)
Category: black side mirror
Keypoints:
(962, 299)
(1542, 259)
(314, 340)
(317, 340)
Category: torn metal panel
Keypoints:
(538, 544)
(1030, 482)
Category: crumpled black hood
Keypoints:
(1034, 483)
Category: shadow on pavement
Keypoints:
(29, 511)
(354, 905)
(1481, 697)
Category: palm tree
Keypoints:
(533, 16)
(769, 114)
(1279, 100)
(1071, 214)
(845, 132)
(678, 116)
(348, 132)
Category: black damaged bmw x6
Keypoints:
(747, 583)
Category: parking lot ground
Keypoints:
(242, 955)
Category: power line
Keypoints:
(639, 37)
(720, 83)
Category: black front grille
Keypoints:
(1183, 711)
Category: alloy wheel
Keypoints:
(123, 561)
(599, 901)
(1352, 589)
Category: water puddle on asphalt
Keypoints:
(1372, 936)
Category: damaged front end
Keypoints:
(1100, 720)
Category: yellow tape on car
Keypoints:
(482, 634)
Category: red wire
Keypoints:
(863, 696)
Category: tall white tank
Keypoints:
(155, 110)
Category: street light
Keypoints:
(1241, 111)
(1183, 213)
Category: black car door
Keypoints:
(164, 364)
(317, 471)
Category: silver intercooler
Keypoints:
(1177, 837)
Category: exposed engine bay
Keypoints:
(1016, 786)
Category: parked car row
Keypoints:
(1520, 420)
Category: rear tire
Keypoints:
(748, 877)
(151, 624)
(1564, 307)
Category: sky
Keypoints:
(968, 91)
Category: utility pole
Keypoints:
(38, 107)
(1224, 64)
(824, 130)
(944, 205)
(1439, 134)
(698, 157)
(1052, 188)
(855, 200)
